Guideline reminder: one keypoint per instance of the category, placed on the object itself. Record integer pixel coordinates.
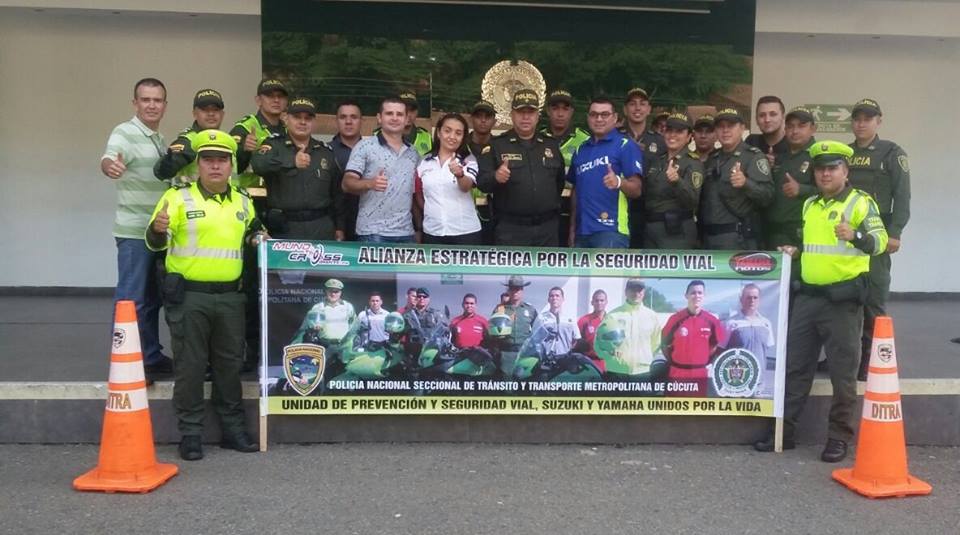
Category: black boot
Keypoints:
(767, 444)
(191, 449)
(240, 442)
(834, 452)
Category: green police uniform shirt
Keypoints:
(665, 196)
(523, 317)
(882, 170)
(720, 202)
(256, 124)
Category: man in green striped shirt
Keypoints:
(132, 150)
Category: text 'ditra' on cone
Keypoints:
(880, 469)
(128, 462)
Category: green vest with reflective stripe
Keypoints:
(250, 179)
(205, 238)
(570, 146)
(423, 143)
(827, 259)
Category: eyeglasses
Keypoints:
(600, 115)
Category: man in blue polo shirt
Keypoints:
(605, 172)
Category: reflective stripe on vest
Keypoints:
(827, 259)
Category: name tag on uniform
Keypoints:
(512, 157)
(193, 214)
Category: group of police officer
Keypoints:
(632, 186)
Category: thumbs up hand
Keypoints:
(503, 172)
(117, 167)
(843, 230)
(673, 171)
(250, 142)
(162, 221)
(791, 188)
(771, 157)
(455, 167)
(380, 181)
(302, 159)
(610, 179)
(737, 178)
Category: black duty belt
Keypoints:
(662, 216)
(212, 287)
(528, 219)
(688, 366)
(305, 215)
(722, 228)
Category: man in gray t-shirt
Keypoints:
(381, 171)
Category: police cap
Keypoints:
(803, 114)
(867, 106)
(333, 284)
(828, 153)
(214, 141)
(423, 292)
(637, 92)
(679, 121)
(730, 115)
(704, 120)
(558, 96)
(409, 98)
(525, 98)
(269, 85)
(483, 105)
(302, 105)
(208, 97)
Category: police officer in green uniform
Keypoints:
(179, 163)
(483, 117)
(203, 226)
(524, 172)
(842, 230)
(792, 181)
(417, 136)
(672, 188)
(522, 316)
(636, 110)
(736, 188)
(560, 124)
(880, 168)
(304, 198)
(251, 131)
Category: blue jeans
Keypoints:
(137, 281)
(379, 238)
(602, 240)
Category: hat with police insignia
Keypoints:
(704, 120)
(525, 98)
(637, 92)
(729, 115)
(207, 97)
(410, 99)
(803, 114)
(423, 292)
(558, 96)
(827, 153)
(333, 284)
(868, 106)
(516, 281)
(483, 105)
(269, 85)
(302, 105)
(214, 141)
(679, 120)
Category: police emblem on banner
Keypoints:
(736, 374)
(303, 365)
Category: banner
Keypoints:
(361, 328)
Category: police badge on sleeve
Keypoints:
(303, 365)
(736, 374)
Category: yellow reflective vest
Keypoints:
(206, 235)
(827, 259)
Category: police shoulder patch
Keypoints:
(904, 164)
(751, 148)
(485, 149)
(176, 147)
(180, 185)
(697, 179)
(763, 165)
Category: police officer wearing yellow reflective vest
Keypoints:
(842, 229)
(203, 226)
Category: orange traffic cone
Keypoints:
(128, 462)
(880, 470)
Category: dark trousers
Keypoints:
(474, 238)
(729, 241)
(815, 323)
(541, 235)
(878, 290)
(137, 282)
(207, 329)
(655, 236)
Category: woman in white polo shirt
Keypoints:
(444, 179)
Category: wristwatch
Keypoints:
(857, 236)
